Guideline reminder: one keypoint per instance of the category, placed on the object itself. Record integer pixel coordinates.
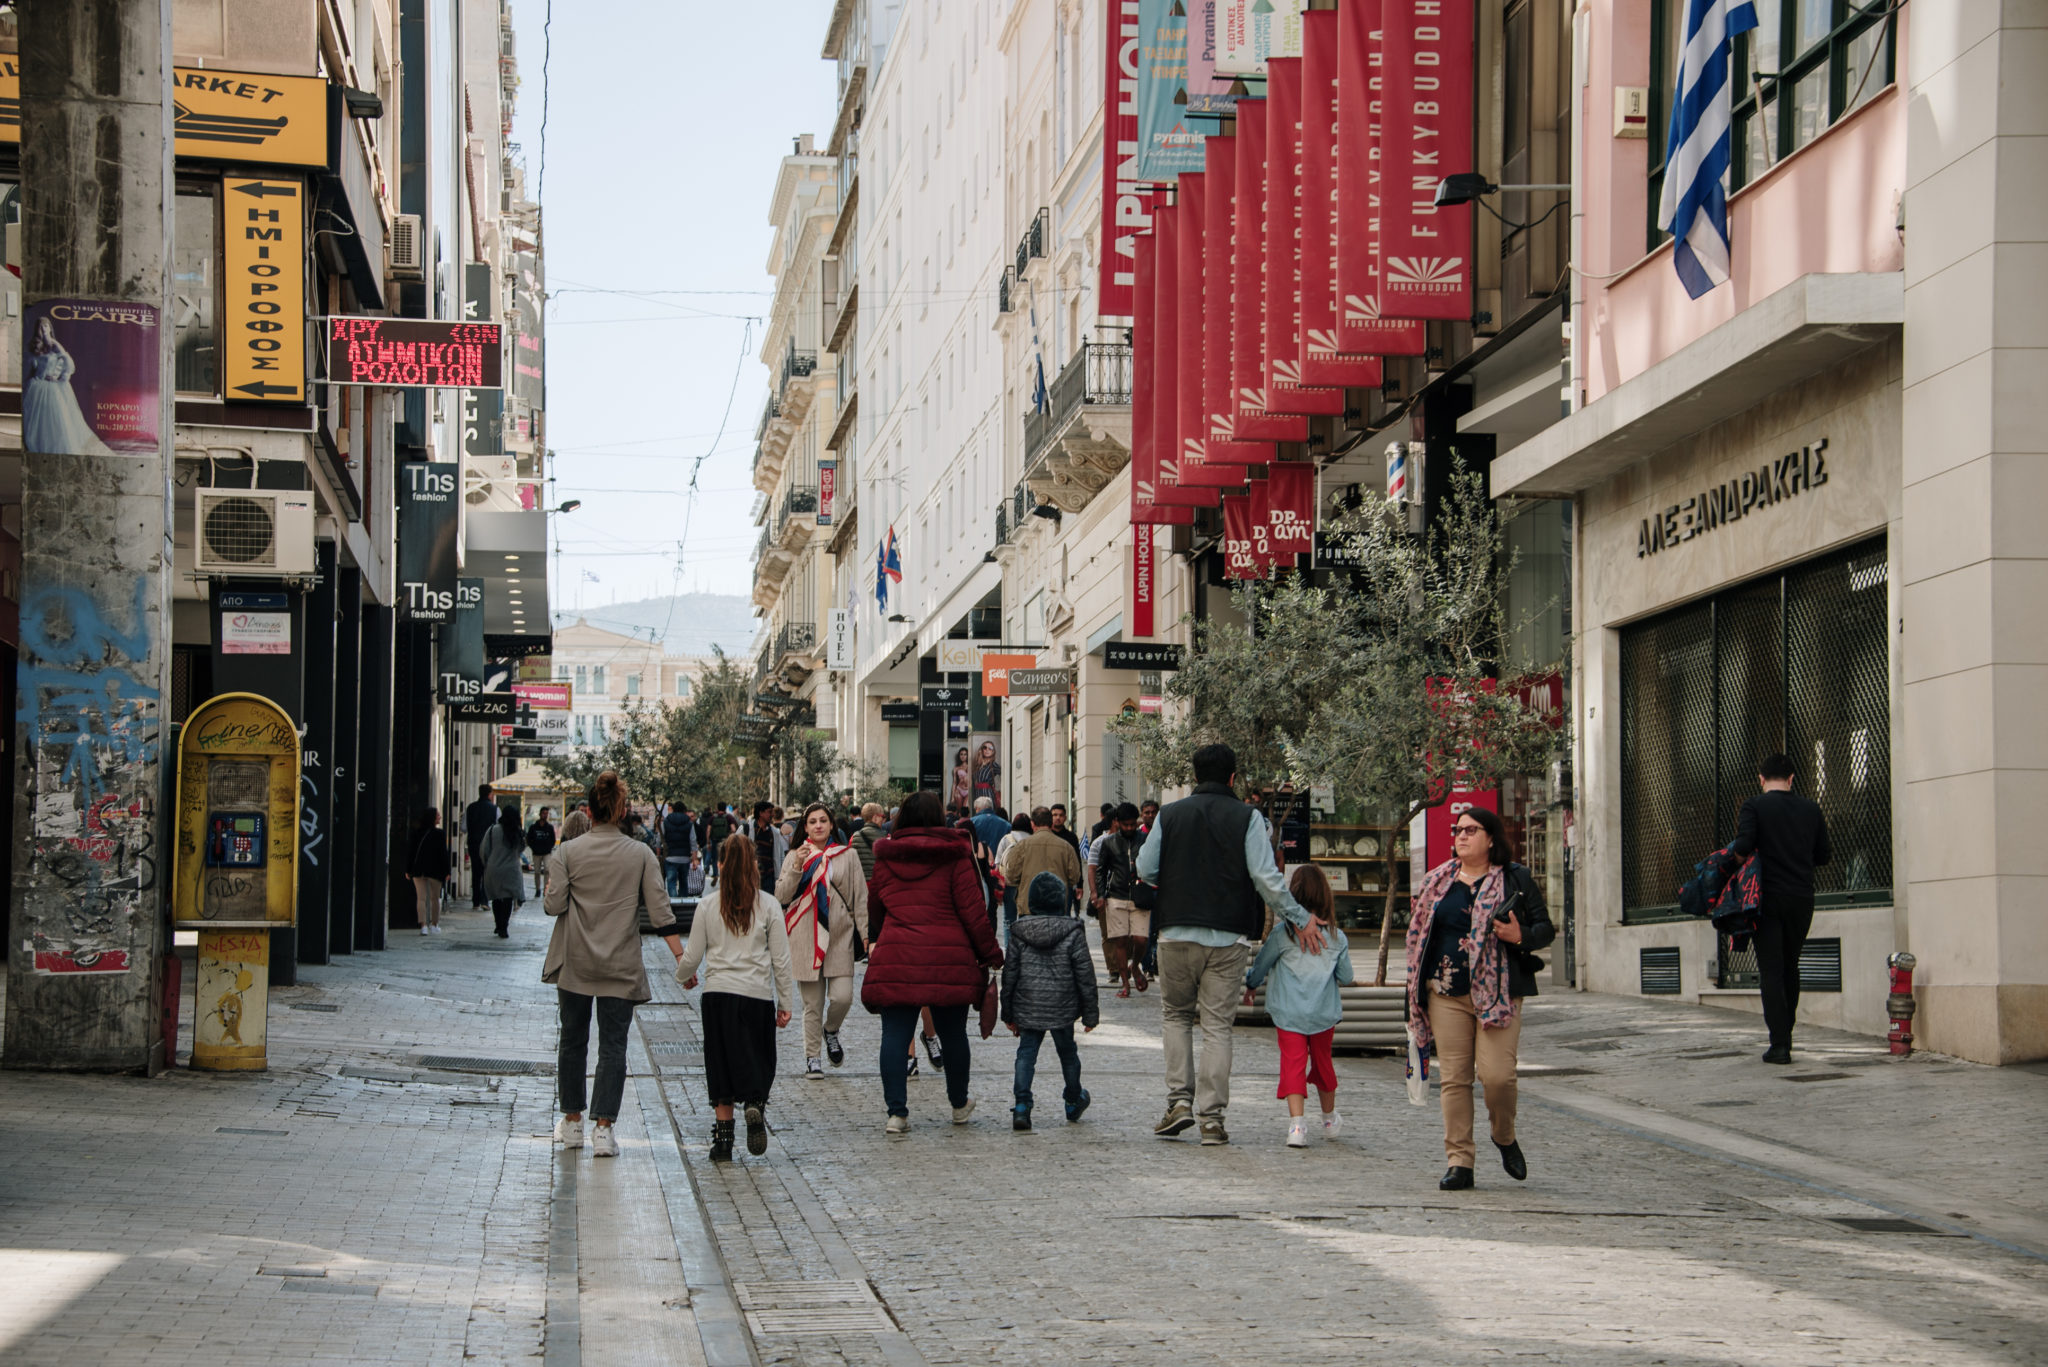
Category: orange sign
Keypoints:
(995, 672)
(222, 115)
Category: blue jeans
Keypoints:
(676, 873)
(899, 1027)
(1027, 1062)
(614, 1019)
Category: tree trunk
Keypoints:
(1379, 977)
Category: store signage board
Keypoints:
(415, 353)
(1141, 655)
(254, 602)
(1126, 202)
(552, 696)
(1030, 682)
(943, 699)
(428, 507)
(263, 274)
(995, 672)
(255, 633)
(222, 115)
(828, 489)
(1774, 481)
(551, 726)
(1425, 251)
(838, 634)
(490, 707)
(536, 669)
(898, 713)
(463, 671)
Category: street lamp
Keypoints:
(1466, 186)
(568, 505)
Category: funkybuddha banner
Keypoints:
(1227, 447)
(1166, 362)
(1363, 326)
(1322, 360)
(1282, 350)
(1168, 143)
(1256, 421)
(1426, 134)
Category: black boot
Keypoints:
(757, 1131)
(721, 1141)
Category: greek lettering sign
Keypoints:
(1141, 655)
(1026, 682)
(1773, 482)
(415, 353)
(263, 267)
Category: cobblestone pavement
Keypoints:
(1684, 1206)
(363, 1201)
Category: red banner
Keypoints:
(1360, 328)
(1291, 509)
(1143, 588)
(1322, 362)
(1166, 364)
(1240, 560)
(1425, 252)
(1144, 458)
(1126, 206)
(1254, 421)
(1281, 354)
(1191, 229)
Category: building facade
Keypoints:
(611, 674)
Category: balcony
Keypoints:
(771, 445)
(1003, 293)
(1032, 245)
(772, 561)
(1083, 438)
(796, 517)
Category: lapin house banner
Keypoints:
(1168, 143)
(1426, 134)
(1126, 202)
(1363, 326)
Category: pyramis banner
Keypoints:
(1425, 135)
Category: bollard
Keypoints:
(1900, 1005)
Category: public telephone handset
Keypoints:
(235, 840)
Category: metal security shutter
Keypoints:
(1820, 966)
(1660, 976)
(1838, 714)
(1667, 753)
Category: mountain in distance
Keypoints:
(695, 622)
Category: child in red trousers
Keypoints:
(1303, 999)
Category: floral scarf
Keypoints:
(1486, 954)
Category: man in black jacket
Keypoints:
(477, 819)
(678, 838)
(1211, 858)
(1789, 837)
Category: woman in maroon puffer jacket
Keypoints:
(930, 943)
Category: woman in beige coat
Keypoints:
(596, 886)
(825, 982)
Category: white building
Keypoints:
(610, 673)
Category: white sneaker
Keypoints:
(1332, 1124)
(898, 1126)
(814, 1069)
(961, 1114)
(426, 930)
(1297, 1133)
(569, 1133)
(437, 930)
(603, 1143)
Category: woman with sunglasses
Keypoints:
(1477, 923)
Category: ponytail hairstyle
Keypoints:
(607, 797)
(739, 884)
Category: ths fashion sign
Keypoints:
(1773, 482)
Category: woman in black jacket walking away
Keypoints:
(498, 862)
(428, 868)
(1048, 983)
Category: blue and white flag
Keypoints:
(1694, 206)
(1040, 402)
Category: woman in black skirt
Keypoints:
(749, 988)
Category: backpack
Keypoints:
(720, 828)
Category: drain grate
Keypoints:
(456, 1063)
(805, 1309)
(312, 1006)
(1816, 1077)
(1538, 1071)
(1884, 1224)
(326, 1287)
(1724, 1103)
(233, 1129)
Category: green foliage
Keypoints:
(679, 752)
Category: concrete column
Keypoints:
(91, 810)
(1974, 742)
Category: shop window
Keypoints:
(195, 286)
(1798, 662)
(1807, 65)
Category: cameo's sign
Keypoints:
(1774, 481)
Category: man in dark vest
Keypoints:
(477, 819)
(1211, 858)
(1789, 837)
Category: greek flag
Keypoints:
(1694, 206)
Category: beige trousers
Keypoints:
(818, 1016)
(1463, 1047)
(1199, 983)
(429, 891)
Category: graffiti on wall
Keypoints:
(89, 713)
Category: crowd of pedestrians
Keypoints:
(969, 910)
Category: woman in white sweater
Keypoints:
(748, 991)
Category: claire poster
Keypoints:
(91, 378)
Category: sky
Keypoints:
(666, 125)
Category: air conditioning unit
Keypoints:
(405, 245)
(266, 533)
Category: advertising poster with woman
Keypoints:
(986, 769)
(91, 377)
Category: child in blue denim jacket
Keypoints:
(1303, 999)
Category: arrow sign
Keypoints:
(260, 189)
(263, 389)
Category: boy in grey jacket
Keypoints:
(1048, 983)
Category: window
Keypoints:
(597, 682)
(581, 729)
(562, 674)
(1805, 66)
(682, 685)
(582, 680)
(1798, 662)
(597, 731)
(632, 685)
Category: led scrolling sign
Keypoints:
(415, 353)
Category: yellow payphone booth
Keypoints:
(236, 868)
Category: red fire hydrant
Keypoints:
(1900, 1005)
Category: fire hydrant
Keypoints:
(1900, 1005)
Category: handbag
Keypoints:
(1531, 962)
(1418, 1072)
(989, 1007)
(1144, 896)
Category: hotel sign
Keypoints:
(1774, 481)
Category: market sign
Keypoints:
(1141, 655)
(1029, 682)
(222, 115)
(415, 353)
(263, 269)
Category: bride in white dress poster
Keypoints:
(51, 421)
